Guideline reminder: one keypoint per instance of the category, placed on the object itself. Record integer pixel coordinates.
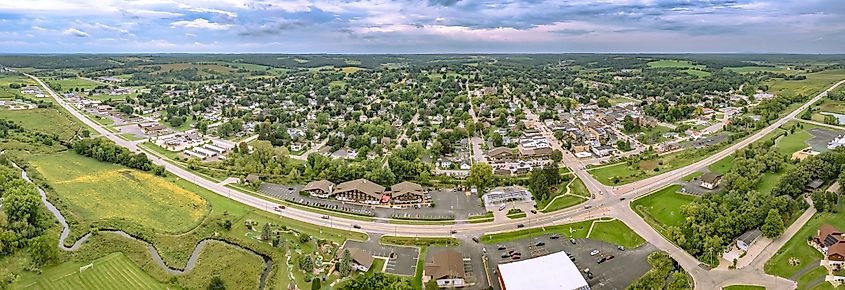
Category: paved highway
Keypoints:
(603, 204)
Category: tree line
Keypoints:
(106, 151)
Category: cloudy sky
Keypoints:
(422, 26)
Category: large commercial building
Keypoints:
(549, 272)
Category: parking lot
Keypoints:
(821, 137)
(447, 204)
(400, 260)
(617, 273)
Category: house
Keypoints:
(359, 190)
(407, 192)
(830, 241)
(251, 178)
(747, 239)
(361, 261)
(813, 185)
(319, 188)
(710, 180)
(446, 269)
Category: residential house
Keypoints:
(710, 180)
(446, 269)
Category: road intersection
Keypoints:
(613, 202)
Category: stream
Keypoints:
(192, 261)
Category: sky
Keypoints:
(422, 26)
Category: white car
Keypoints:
(594, 252)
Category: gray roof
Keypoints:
(750, 236)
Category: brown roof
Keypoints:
(828, 229)
(323, 185)
(498, 151)
(360, 257)
(446, 264)
(252, 177)
(711, 177)
(406, 186)
(837, 249)
(368, 187)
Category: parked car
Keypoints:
(555, 237)
(621, 248)
(601, 260)
(539, 244)
(571, 240)
(609, 257)
(506, 255)
(590, 275)
(501, 247)
(501, 208)
(594, 252)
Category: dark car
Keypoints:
(325, 217)
(534, 211)
(539, 244)
(501, 248)
(621, 248)
(608, 258)
(589, 275)
(519, 226)
(555, 237)
(453, 232)
(475, 239)
(622, 198)
(601, 260)
(506, 255)
(571, 240)
(356, 226)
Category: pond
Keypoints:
(840, 118)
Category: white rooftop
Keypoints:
(554, 271)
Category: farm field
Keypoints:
(110, 272)
(662, 209)
(60, 123)
(697, 72)
(73, 83)
(97, 192)
(9, 93)
(814, 83)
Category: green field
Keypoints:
(798, 248)
(99, 192)
(833, 106)
(9, 93)
(418, 241)
(109, 272)
(751, 69)
(73, 83)
(643, 169)
(662, 208)
(615, 232)
(814, 83)
(671, 63)
(697, 72)
(608, 231)
(60, 124)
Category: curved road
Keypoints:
(602, 205)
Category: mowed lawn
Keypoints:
(643, 169)
(99, 191)
(114, 271)
(798, 248)
(616, 232)
(663, 207)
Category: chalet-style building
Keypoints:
(319, 188)
(710, 180)
(361, 261)
(446, 268)
(830, 241)
(407, 192)
(359, 190)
